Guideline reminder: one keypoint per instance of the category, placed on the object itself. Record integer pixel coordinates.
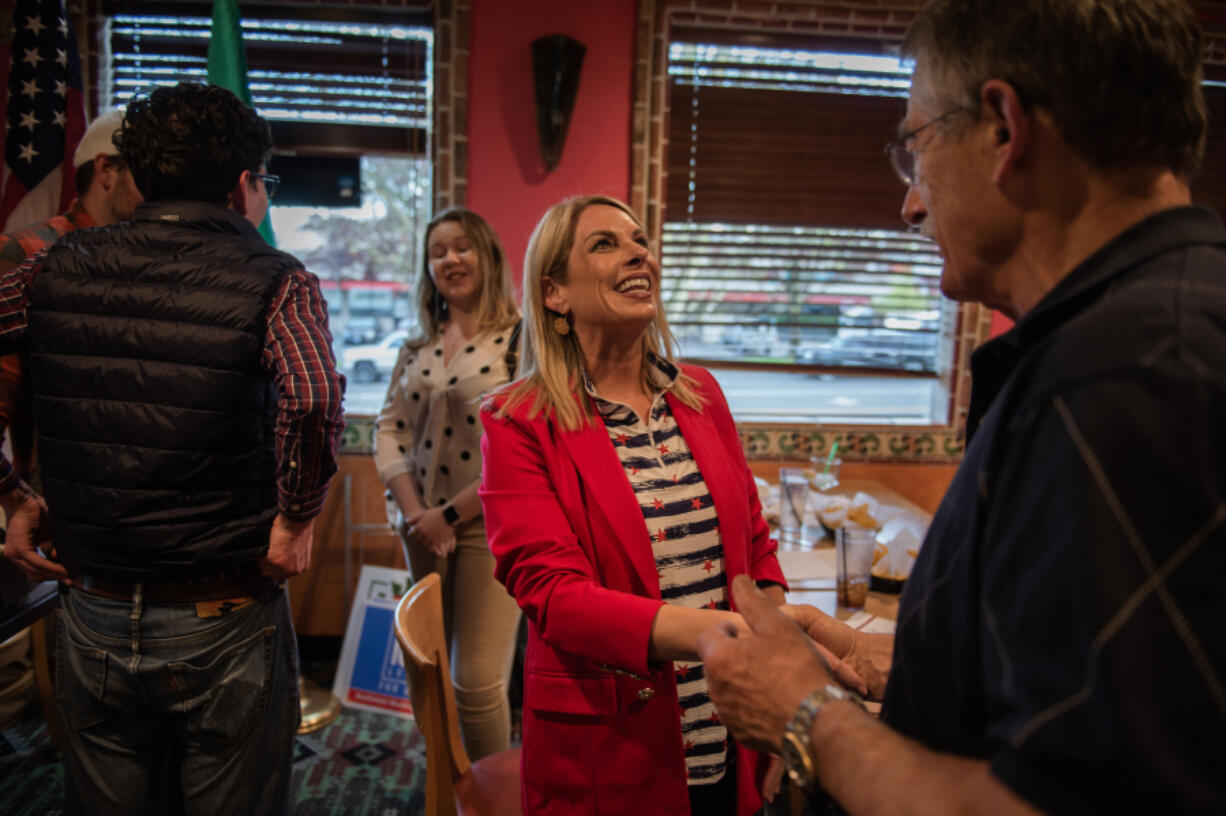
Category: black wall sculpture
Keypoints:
(556, 63)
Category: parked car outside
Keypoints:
(360, 330)
(374, 361)
(911, 351)
(761, 341)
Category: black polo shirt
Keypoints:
(1066, 618)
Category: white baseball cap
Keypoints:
(97, 138)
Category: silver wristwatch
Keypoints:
(797, 752)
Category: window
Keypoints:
(366, 258)
(351, 126)
(788, 266)
(1209, 185)
(366, 86)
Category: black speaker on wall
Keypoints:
(556, 63)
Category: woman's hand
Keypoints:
(868, 655)
(774, 776)
(835, 635)
(430, 530)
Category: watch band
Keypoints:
(797, 751)
(450, 514)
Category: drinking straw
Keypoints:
(842, 551)
(787, 494)
(830, 459)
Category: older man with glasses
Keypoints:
(1059, 643)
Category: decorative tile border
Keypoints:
(863, 444)
(359, 435)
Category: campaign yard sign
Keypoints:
(370, 674)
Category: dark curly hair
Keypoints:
(192, 141)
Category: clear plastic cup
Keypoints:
(853, 560)
(793, 498)
(824, 478)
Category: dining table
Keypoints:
(809, 567)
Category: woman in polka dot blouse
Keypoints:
(428, 453)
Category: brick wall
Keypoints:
(451, 44)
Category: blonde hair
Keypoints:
(496, 308)
(550, 364)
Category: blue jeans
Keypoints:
(158, 702)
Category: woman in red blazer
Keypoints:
(569, 522)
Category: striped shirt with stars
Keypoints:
(685, 540)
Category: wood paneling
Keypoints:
(318, 596)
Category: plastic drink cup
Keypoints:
(825, 472)
(793, 497)
(853, 559)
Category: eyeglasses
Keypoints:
(270, 183)
(902, 158)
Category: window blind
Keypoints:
(786, 292)
(352, 87)
(783, 241)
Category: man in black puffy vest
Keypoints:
(188, 412)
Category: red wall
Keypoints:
(507, 181)
(1000, 324)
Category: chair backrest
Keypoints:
(419, 630)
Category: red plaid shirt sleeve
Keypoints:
(14, 300)
(310, 414)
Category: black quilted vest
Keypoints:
(155, 418)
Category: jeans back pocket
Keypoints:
(225, 693)
(80, 680)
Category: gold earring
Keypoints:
(561, 326)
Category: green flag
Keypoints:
(228, 65)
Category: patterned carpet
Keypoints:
(364, 764)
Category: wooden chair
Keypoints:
(454, 785)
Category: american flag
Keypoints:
(46, 114)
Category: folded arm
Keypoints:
(395, 437)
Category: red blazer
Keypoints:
(601, 724)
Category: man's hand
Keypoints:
(430, 530)
(758, 680)
(289, 548)
(28, 536)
